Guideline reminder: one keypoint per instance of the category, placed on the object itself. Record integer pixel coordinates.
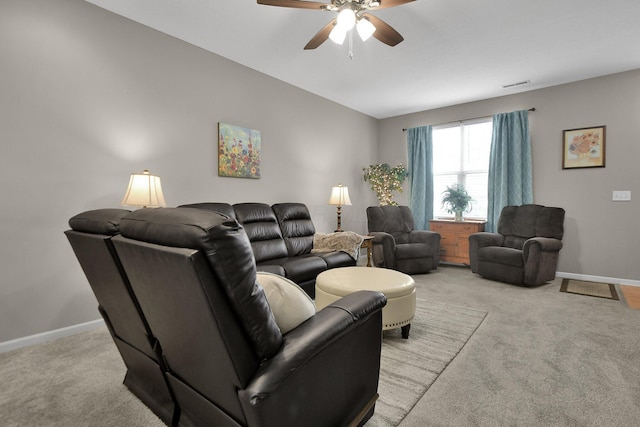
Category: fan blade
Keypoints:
(385, 4)
(321, 36)
(300, 4)
(384, 32)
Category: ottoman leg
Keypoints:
(405, 331)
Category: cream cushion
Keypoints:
(289, 304)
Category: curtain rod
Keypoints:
(464, 120)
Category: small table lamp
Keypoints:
(144, 190)
(339, 197)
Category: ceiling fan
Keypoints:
(350, 13)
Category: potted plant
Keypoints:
(384, 180)
(456, 200)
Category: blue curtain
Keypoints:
(510, 176)
(420, 151)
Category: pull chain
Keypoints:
(350, 44)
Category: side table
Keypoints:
(368, 243)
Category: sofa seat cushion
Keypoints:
(289, 304)
(271, 268)
(337, 259)
(501, 255)
(301, 268)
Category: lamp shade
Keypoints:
(144, 190)
(365, 29)
(346, 19)
(338, 34)
(340, 196)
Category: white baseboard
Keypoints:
(50, 335)
(603, 279)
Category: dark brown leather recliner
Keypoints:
(194, 274)
(526, 248)
(397, 245)
(90, 237)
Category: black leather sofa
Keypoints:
(193, 277)
(281, 239)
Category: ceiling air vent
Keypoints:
(525, 82)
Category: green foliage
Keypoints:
(384, 180)
(456, 199)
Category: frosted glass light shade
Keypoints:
(338, 34)
(144, 190)
(365, 29)
(340, 196)
(346, 19)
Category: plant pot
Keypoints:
(459, 216)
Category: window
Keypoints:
(461, 155)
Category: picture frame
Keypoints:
(584, 147)
(239, 151)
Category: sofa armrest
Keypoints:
(481, 240)
(544, 244)
(540, 256)
(424, 236)
(332, 360)
(384, 249)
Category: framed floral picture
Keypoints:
(583, 148)
(238, 151)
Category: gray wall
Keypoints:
(88, 97)
(601, 236)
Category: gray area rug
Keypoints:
(77, 380)
(409, 367)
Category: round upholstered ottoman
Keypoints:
(399, 288)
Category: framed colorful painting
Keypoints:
(238, 151)
(583, 148)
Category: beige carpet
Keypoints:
(77, 380)
(593, 289)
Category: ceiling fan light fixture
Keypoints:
(346, 19)
(365, 29)
(338, 34)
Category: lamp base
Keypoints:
(338, 229)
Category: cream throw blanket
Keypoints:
(345, 241)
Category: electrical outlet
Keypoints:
(621, 196)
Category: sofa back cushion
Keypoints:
(90, 238)
(98, 221)
(261, 226)
(296, 227)
(395, 220)
(223, 208)
(224, 244)
(520, 223)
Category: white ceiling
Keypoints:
(454, 51)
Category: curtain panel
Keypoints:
(420, 153)
(510, 170)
